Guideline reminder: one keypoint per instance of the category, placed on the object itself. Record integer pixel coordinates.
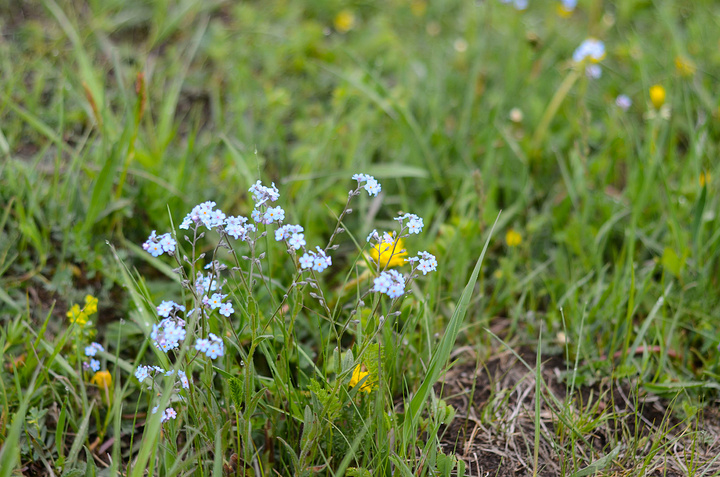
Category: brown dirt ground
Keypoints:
(494, 429)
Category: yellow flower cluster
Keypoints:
(80, 315)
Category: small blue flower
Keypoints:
(216, 300)
(184, 381)
(306, 261)
(297, 241)
(427, 262)
(623, 102)
(592, 49)
(414, 223)
(236, 226)
(165, 308)
(273, 214)
(226, 309)
(95, 365)
(141, 373)
(93, 349)
(371, 185)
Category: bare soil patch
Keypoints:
(494, 429)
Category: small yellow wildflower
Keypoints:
(102, 379)
(358, 376)
(513, 238)
(344, 21)
(684, 66)
(76, 315)
(704, 178)
(657, 96)
(80, 316)
(389, 254)
(90, 304)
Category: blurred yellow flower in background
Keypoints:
(704, 179)
(657, 96)
(102, 379)
(344, 21)
(513, 238)
(389, 253)
(685, 66)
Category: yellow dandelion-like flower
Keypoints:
(657, 96)
(358, 376)
(513, 238)
(684, 66)
(389, 253)
(704, 179)
(344, 21)
(102, 379)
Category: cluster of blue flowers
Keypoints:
(414, 223)
(90, 352)
(168, 334)
(144, 372)
(390, 282)
(167, 414)
(156, 245)
(317, 261)
(426, 262)
(292, 234)
(213, 347)
(372, 186)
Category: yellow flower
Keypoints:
(102, 379)
(513, 238)
(657, 96)
(344, 21)
(704, 178)
(80, 316)
(358, 376)
(76, 315)
(90, 305)
(684, 66)
(389, 254)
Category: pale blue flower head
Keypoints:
(591, 49)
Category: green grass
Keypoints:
(119, 116)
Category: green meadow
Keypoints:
(541, 296)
